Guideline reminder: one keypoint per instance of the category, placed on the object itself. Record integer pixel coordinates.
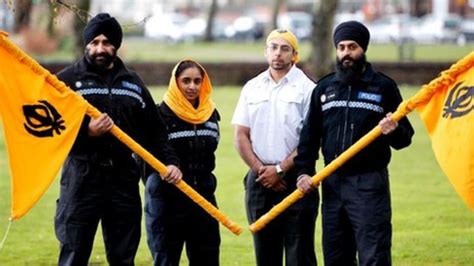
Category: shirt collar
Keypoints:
(289, 77)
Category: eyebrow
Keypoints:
(348, 43)
(278, 45)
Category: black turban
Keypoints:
(353, 31)
(103, 23)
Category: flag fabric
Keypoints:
(449, 119)
(41, 118)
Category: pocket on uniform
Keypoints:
(249, 180)
(371, 182)
(74, 178)
(206, 184)
(60, 222)
(291, 97)
(293, 103)
(256, 102)
(154, 185)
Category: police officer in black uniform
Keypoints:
(347, 104)
(172, 219)
(99, 180)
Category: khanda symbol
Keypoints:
(42, 120)
(459, 101)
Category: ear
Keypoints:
(295, 55)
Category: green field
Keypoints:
(138, 49)
(431, 224)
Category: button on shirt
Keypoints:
(274, 112)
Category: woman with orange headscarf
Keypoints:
(172, 219)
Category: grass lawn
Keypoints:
(139, 49)
(431, 224)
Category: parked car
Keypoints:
(246, 28)
(392, 29)
(195, 28)
(438, 29)
(300, 23)
(166, 27)
(466, 32)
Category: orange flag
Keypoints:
(449, 119)
(41, 119)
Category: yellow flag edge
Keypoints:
(50, 79)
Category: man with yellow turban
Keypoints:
(268, 120)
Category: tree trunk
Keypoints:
(80, 20)
(321, 38)
(51, 20)
(276, 10)
(420, 8)
(208, 37)
(22, 14)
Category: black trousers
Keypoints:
(290, 234)
(356, 219)
(93, 192)
(173, 220)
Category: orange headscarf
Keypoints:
(182, 107)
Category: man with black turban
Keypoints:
(99, 180)
(345, 105)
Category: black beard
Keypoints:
(349, 74)
(101, 64)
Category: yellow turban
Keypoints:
(287, 36)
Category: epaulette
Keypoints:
(217, 114)
(388, 78)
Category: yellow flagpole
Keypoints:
(123, 137)
(446, 78)
(161, 168)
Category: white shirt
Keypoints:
(274, 112)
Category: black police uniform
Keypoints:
(356, 208)
(173, 219)
(99, 178)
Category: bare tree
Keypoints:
(80, 8)
(51, 19)
(276, 10)
(419, 8)
(80, 19)
(321, 38)
(22, 14)
(208, 37)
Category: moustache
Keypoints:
(347, 57)
(103, 54)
